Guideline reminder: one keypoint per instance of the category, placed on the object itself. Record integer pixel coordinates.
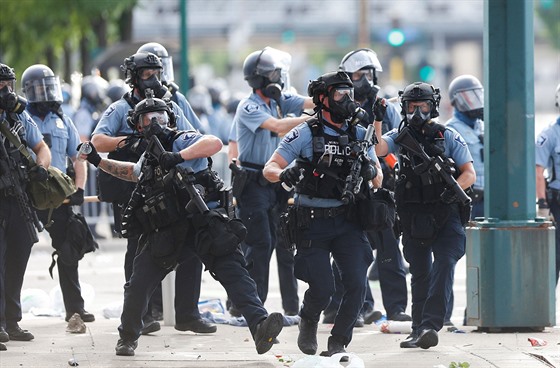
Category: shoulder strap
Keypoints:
(14, 139)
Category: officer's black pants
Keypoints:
(146, 275)
(433, 267)
(351, 251)
(67, 274)
(15, 248)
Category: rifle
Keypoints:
(444, 167)
(354, 180)
(12, 178)
(183, 178)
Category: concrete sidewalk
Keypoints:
(233, 346)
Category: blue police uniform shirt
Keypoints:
(254, 143)
(64, 138)
(298, 143)
(233, 132)
(184, 140)
(32, 134)
(471, 130)
(547, 152)
(454, 145)
(187, 110)
(113, 122)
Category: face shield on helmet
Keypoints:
(361, 65)
(46, 89)
(467, 96)
(268, 70)
(167, 75)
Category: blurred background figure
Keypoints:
(201, 103)
(93, 102)
(66, 106)
(219, 119)
(117, 88)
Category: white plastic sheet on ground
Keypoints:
(316, 361)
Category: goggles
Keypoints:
(338, 93)
(424, 106)
(146, 73)
(368, 73)
(158, 117)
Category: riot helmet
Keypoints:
(361, 65)
(42, 89)
(117, 89)
(167, 76)
(9, 100)
(94, 90)
(143, 71)
(419, 103)
(151, 111)
(467, 96)
(337, 89)
(267, 69)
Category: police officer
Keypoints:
(93, 102)
(167, 230)
(431, 216)
(548, 189)
(362, 66)
(43, 92)
(168, 80)
(113, 134)
(260, 120)
(467, 98)
(325, 151)
(17, 234)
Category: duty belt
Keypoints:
(320, 212)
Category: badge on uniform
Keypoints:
(251, 107)
(460, 139)
(292, 136)
(59, 124)
(540, 140)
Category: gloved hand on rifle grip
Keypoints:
(76, 198)
(38, 173)
(379, 109)
(368, 170)
(449, 196)
(168, 160)
(291, 176)
(92, 157)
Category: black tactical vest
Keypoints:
(324, 177)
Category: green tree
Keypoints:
(51, 31)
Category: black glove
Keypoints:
(136, 144)
(449, 196)
(93, 157)
(379, 109)
(168, 160)
(291, 176)
(77, 198)
(38, 173)
(368, 170)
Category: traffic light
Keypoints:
(396, 36)
(426, 72)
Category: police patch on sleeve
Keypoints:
(251, 107)
(460, 139)
(291, 136)
(109, 111)
(540, 140)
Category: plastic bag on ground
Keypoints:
(315, 361)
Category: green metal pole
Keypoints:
(184, 37)
(509, 110)
(510, 255)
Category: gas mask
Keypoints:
(475, 114)
(273, 91)
(154, 84)
(43, 108)
(365, 89)
(159, 129)
(341, 104)
(419, 115)
(11, 102)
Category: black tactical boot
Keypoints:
(410, 341)
(427, 339)
(307, 338)
(267, 331)
(335, 345)
(126, 347)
